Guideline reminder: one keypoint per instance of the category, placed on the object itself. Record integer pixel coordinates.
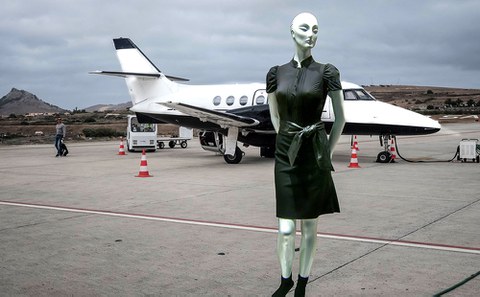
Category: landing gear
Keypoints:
(217, 142)
(385, 156)
(235, 158)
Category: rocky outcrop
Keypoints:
(21, 102)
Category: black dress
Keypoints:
(303, 182)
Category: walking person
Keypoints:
(304, 187)
(61, 132)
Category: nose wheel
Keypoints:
(385, 156)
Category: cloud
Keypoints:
(48, 47)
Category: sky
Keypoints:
(48, 46)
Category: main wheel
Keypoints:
(183, 144)
(171, 144)
(161, 145)
(384, 157)
(236, 158)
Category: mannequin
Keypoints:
(295, 115)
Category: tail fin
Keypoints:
(132, 59)
(144, 80)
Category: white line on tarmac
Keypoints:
(404, 243)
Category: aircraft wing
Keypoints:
(224, 119)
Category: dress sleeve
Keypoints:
(272, 80)
(332, 78)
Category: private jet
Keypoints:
(232, 113)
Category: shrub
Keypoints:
(90, 120)
(101, 132)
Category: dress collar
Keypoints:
(304, 63)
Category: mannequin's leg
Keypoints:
(286, 245)
(286, 252)
(308, 246)
(307, 253)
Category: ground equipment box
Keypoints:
(469, 150)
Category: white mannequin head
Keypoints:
(304, 30)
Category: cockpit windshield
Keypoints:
(357, 94)
(137, 127)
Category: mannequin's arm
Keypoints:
(272, 104)
(337, 128)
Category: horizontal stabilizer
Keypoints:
(223, 119)
(145, 75)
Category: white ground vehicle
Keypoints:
(144, 136)
(141, 136)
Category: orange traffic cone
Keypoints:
(392, 151)
(143, 166)
(354, 159)
(355, 143)
(121, 150)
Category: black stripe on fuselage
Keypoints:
(268, 139)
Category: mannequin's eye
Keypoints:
(304, 28)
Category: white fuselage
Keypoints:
(228, 97)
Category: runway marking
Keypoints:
(404, 243)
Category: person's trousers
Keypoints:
(58, 144)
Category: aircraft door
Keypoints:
(260, 97)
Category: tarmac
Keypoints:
(84, 225)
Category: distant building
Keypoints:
(36, 114)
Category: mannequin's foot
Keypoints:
(285, 286)
(301, 285)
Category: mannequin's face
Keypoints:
(305, 30)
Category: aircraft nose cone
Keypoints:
(432, 130)
(434, 127)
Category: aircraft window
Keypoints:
(350, 95)
(357, 95)
(230, 100)
(243, 100)
(260, 100)
(217, 100)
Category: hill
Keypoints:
(109, 107)
(441, 99)
(21, 102)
